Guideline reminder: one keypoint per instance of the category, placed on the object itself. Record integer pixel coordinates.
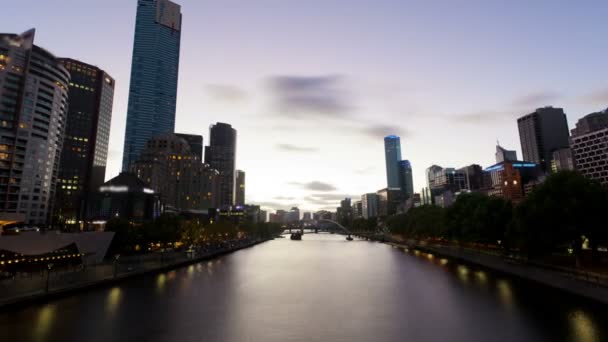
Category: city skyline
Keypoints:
(313, 126)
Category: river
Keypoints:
(322, 288)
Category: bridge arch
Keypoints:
(344, 229)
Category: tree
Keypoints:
(559, 212)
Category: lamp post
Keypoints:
(116, 257)
(48, 277)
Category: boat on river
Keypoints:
(296, 236)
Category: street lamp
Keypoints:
(48, 276)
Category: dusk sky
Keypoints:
(313, 86)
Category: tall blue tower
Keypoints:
(392, 152)
(154, 68)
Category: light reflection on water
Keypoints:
(318, 289)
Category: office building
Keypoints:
(388, 201)
(85, 148)
(369, 205)
(181, 180)
(541, 133)
(221, 155)
(508, 179)
(473, 177)
(406, 181)
(562, 160)
(392, 153)
(503, 154)
(263, 216)
(195, 142)
(589, 144)
(307, 216)
(33, 112)
(357, 209)
(154, 71)
(240, 188)
(293, 215)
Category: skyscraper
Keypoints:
(154, 67)
(85, 149)
(406, 181)
(33, 112)
(392, 152)
(196, 143)
(541, 133)
(221, 155)
(589, 143)
(240, 188)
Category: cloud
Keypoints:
(378, 131)
(284, 198)
(300, 96)
(295, 148)
(225, 93)
(315, 186)
(597, 97)
(536, 99)
(482, 117)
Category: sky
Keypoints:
(312, 87)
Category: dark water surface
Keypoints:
(320, 289)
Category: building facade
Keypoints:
(392, 154)
(240, 188)
(221, 155)
(195, 142)
(406, 180)
(541, 133)
(589, 145)
(182, 181)
(85, 148)
(508, 179)
(562, 160)
(154, 71)
(369, 205)
(33, 112)
(503, 154)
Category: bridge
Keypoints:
(319, 226)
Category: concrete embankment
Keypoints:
(69, 289)
(590, 285)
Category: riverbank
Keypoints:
(114, 276)
(588, 285)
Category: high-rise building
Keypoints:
(562, 160)
(240, 188)
(33, 112)
(182, 181)
(196, 143)
(307, 216)
(388, 201)
(541, 133)
(154, 70)
(392, 153)
(293, 215)
(369, 205)
(589, 144)
(508, 179)
(263, 216)
(503, 154)
(221, 155)
(85, 148)
(406, 181)
(473, 177)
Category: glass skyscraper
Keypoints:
(221, 155)
(406, 181)
(392, 152)
(154, 68)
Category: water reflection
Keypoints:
(45, 320)
(583, 327)
(322, 290)
(113, 300)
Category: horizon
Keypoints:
(322, 115)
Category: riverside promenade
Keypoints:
(590, 285)
(24, 289)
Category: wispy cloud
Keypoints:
(284, 198)
(301, 96)
(536, 99)
(378, 131)
(295, 148)
(315, 186)
(225, 93)
(597, 97)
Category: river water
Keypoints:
(322, 288)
